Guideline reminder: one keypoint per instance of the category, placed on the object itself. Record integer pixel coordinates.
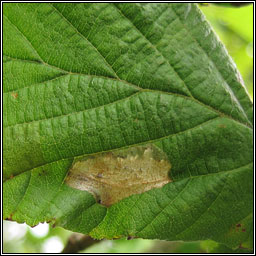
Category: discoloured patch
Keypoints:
(115, 175)
(10, 217)
(15, 95)
(242, 247)
(222, 126)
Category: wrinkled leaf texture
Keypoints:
(80, 79)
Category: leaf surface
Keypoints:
(82, 79)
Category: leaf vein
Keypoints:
(79, 33)
(218, 70)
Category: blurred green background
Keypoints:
(234, 26)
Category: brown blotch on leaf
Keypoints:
(14, 95)
(10, 217)
(243, 230)
(238, 225)
(115, 175)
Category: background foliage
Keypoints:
(234, 26)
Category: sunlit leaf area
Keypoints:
(234, 27)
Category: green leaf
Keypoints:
(82, 79)
(232, 4)
(212, 247)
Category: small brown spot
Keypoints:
(52, 222)
(238, 225)
(10, 217)
(43, 172)
(14, 95)
(11, 177)
(243, 230)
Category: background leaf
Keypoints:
(80, 79)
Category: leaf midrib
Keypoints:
(115, 79)
(123, 81)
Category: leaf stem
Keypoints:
(78, 242)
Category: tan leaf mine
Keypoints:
(115, 175)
